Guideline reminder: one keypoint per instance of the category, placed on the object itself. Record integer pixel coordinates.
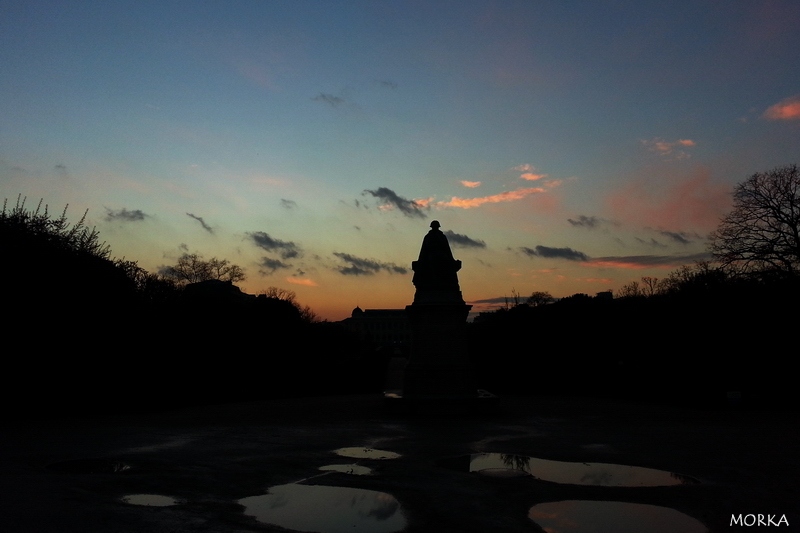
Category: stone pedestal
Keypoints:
(439, 365)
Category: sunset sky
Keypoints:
(566, 146)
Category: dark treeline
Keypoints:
(701, 333)
(85, 333)
(706, 335)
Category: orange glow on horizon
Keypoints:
(610, 263)
(301, 281)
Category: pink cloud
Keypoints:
(604, 281)
(628, 265)
(528, 172)
(786, 109)
(693, 202)
(508, 196)
(530, 176)
(301, 281)
(666, 148)
(470, 184)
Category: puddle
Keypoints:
(357, 452)
(151, 500)
(326, 509)
(355, 470)
(90, 466)
(598, 474)
(582, 516)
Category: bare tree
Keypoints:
(306, 313)
(762, 232)
(651, 286)
(693, 279)
(647, 287)
(192, 268)
(224, 270)
(630, 290)
(280, 294)
(538, 298)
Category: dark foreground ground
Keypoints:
(210, 457)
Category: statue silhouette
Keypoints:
(435, 272)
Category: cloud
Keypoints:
(462, 241)
(470, 184)
(269, 265)
(530, 176)
(585, 222)
(786, 109)
(680, 237)
(410, 208)
(652, 242)
(286, 249)
(508, 196)
(648, 261)
(693, 201)
(333, 101)
(62, 170)
(357, 266)
(604, 281)
(288, 204)
(125, 215)
(555, 253)
(528, 172)
(202, 222)
(666, 148)
(306, 282)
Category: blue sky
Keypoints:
(570, 146)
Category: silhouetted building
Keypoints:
(384, 327)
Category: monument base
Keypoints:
(481, 401)
(431, 380)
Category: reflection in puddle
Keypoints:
(365, 453)
(326, 509)
(355, 470)
(580, 516)
(600, 474)
(152, 500)
(90, 466)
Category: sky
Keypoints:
(564, 146)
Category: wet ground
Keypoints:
(119, 473)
